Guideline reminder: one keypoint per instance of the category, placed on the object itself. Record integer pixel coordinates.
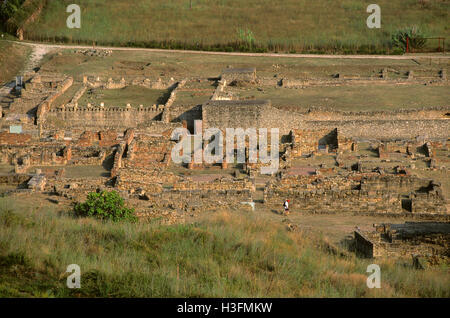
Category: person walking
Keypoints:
(286, 207)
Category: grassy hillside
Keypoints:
(223, 255)
(12, 60)
(290, 25)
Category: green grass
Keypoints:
(222, 255)
(182, 65)
(290, 26)
(135, 95)
(80, 171)
(67, 96)
(355, 98)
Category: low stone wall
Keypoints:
(98, 82)
(46, 105)
(107, 138)
(148, 181)
(233, 75)
(385, 129)
(326, 114)
(204, 200)
(426, 239)
(14, 139)
(77, 96)
(360, 193)
(223, 184)
(75, 189)
(101, 118)
(165, 189)
(14, 179)
(118, 155)
(166, 115)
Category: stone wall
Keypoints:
(238, 75)
(144, 181)
(386, 129)
(327, 114)
(166, 115)
(90, 117)
(118, 155)
(357, 193)
(100, 82)
(163, 189)
(187, 113)
(306, 142)
(14, 139)
(46, 105)
(147, 151)
(245, 114)
(429, 239)
(95, 118)
(14, 179)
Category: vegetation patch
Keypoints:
(12, 60)
(220, 255)
(233, 25)
(106, 206)
(134, 95)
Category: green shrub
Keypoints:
(106, 206)
(416, 38)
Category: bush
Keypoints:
(106, 206)
(416, 38)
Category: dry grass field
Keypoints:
(229, 254)
(12, 60)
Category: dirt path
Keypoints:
(33, 61)
(36, 56)
(322, 56)
(38, 52)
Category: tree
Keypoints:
(9, 8)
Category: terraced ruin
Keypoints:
(365, 137)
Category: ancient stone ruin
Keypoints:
(366, 163)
